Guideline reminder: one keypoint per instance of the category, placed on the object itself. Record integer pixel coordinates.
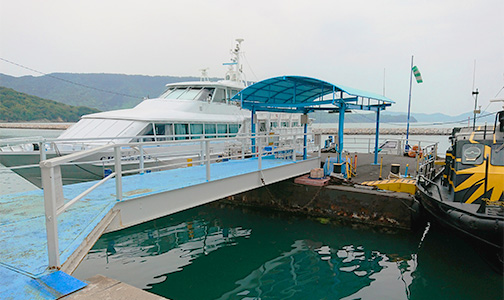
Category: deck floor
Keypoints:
(23, 239)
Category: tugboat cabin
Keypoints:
(474, 167)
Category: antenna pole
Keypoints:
(475, 95)
(476, 111)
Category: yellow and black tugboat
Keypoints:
(467, 194)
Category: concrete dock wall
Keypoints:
(343, 203)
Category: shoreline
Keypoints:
(54, 126)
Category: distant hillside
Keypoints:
(116, 91)
(442, 118)
(108, 92)
(18, 107)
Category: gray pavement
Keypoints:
(367, 170)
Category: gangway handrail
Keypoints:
(83, 194)
(53, 187)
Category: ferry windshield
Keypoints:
(188, 93)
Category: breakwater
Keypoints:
(327, 131)
(387, 131)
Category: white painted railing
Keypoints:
(355, 143)
(235, 148)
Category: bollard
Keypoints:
(381, 166)
(395, 169)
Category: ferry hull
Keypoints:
(81, 172)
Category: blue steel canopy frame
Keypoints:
(299, 94)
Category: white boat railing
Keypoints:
(355, 143)
(240, 147)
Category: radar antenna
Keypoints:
(204, 74)
(235, 69)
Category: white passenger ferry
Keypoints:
(185, 111)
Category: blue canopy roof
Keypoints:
(305, 94)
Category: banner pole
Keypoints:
(409, 105)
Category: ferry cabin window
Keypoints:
(160, 129)
(196, 131)
(285, 124)
(230, 93)
(169, 131)
(148, 131)
(497, 155)
(233, 129)
(166, 93)
(222, 130)
(173, 93)
(273, 124)
(181, 129)
(205, 95)
(262, 127)
(209, 129)
(189, 93)
(472, 154)
(220, 96)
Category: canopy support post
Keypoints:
(377, 135)
(341, 125)
(305, 130)
(253, 129)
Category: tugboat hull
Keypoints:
(463, 217)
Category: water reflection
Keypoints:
(163, 249)
(314, 271)
(221, 253)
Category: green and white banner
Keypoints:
(417, 74)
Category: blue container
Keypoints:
(107, 172)
(328, 165)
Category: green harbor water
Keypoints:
(221, 252)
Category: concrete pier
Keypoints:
(101, 287)
(345, 201)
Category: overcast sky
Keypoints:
(352, 43)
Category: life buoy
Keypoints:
(414, 150)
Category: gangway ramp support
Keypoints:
(186, 191)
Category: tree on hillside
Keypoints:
(17, 107)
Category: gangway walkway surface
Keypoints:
(23, 239)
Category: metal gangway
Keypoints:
(47, 232)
